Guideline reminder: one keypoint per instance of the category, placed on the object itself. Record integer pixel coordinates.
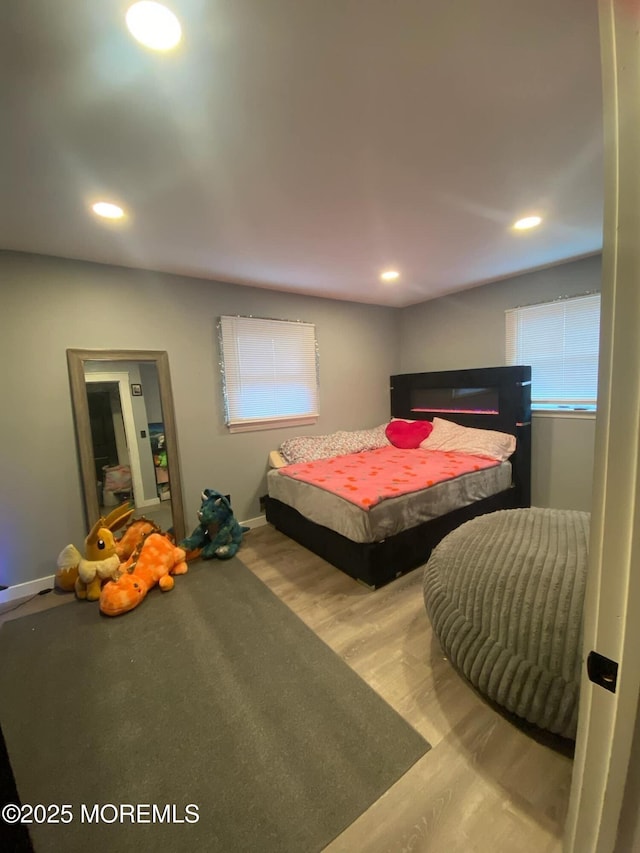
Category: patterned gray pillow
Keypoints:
(308, 448)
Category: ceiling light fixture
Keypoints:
(107, 210)
(389, 275)
(527, 222)
(153, 25)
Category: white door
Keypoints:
(612, 609)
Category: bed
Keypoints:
(379, 543)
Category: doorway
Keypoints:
(103, 434)
(123, 460)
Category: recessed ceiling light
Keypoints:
(389, 275)
(527, 222)
(153, 25)
(107, 210)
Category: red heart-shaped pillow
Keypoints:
(408, 434)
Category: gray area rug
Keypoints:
(214, 695)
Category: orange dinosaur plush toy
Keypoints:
(133, 534)
(154, 562)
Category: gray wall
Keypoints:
(467, 329)
(151, 392)
(49, 305)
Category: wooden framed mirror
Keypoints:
(132, 390)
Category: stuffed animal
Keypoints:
(154, 562)
(100, 561)
(218, 534)
(134, 533)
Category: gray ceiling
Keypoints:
(306, 145)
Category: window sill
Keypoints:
(569, 414)
(272, 423)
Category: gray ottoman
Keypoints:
(504, 593)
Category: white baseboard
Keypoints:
(258, 521)
(150, 502)
(24, 590)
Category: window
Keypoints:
(560, 341)
(270, 373)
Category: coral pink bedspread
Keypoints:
(367, 478)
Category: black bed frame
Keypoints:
(496, 398)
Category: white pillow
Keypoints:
(276, 459)
(481, 442)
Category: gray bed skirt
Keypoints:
(505, 594)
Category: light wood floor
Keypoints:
(485, 786)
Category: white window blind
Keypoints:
(269, 371)
(560, 342)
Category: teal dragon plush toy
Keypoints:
(218, 534)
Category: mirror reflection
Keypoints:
(123, 410)
(128, 438)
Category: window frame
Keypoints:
(556, 405)
(231, 384)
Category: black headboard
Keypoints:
(497, 398)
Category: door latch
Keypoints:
(602, 671)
